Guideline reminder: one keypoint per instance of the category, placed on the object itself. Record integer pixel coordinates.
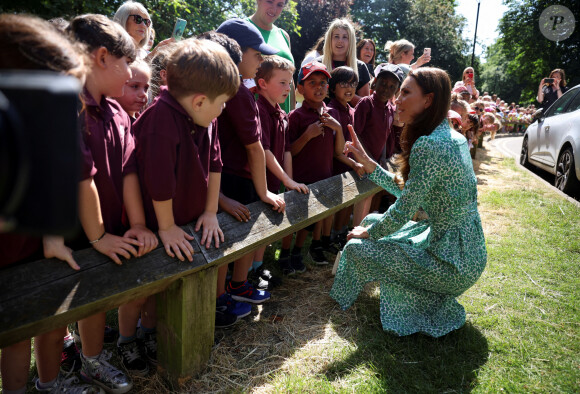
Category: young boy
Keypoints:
(373, 119)
(244, 171)
(273, 82)
(316, 138)
(178, 150)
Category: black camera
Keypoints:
(39, 152)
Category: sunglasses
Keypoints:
(479, 109)
(139, 19)
(348, 84)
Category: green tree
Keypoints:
(524, 56)
(426, 23)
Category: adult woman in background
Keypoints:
(134, 18)
(402, 53)
(268, 12)
(548, 92)
(468, 80)
(365, 52)
(421, 267)
(314, 52)
(340, 50)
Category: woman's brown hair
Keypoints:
(562, 74)
(430, 80)
(360, 46)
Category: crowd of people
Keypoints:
(175, 133)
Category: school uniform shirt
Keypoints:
(345, 118)
(239, 126)
(106, 133)
(275, 136)
(175, 157)
(372, 123)
(314, 162)
(19, 248)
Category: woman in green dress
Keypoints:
(421, 266)
(268, 12)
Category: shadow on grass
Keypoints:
(415, 363)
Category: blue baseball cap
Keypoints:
(247, 35)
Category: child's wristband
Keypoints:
(98, 239)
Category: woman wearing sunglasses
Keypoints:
(469, 82)
(135, 18)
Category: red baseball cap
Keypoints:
(310, 68)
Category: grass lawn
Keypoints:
(522, 331)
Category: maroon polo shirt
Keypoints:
(372, 123)
(346, 117)
(275, 136)
(19, 247)
(175, 157)
(106, 132)
(314, 162)
(239, 126)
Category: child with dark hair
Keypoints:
(373, 120)
(316, 138)
(341, 89)
(106, 196)
(472, 133)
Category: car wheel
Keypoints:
(524, 154)
(565, 172)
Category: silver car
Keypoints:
(552, 141)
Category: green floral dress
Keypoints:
(421, 266)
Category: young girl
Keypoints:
(111, 191)
(30, 43)
(491, 124)
(472, 133)
(341, 90)
(134, 98)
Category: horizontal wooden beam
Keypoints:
(40, 296)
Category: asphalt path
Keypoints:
(511, 145)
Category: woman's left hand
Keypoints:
(357, 232)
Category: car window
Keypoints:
(560, 105)
(575, 103)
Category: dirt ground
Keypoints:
(284, 332)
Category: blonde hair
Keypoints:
(201, 66)
(141, 65)
(397, 48)
(465, 72)
(129, 8)
(351, 60)
(270, 64)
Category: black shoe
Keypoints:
(297, 264)
(149, 346)
(133, 358)
(269, 277)
(330, 248)
(317, 256)
(286, 266)
(224, 320)
(70, 359)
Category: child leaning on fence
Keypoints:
(111, 195)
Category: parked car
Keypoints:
(552, 141)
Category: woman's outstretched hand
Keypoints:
(357, 232)
(360, 155)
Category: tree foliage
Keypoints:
(426, 23)
(522, 56)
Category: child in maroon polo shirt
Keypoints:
(178, 149)
(316, 138)
(373, 119)
(273, 82)
(244, 172)
(341, 90)
(113, 192)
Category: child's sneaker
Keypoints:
(223, 319)
(226, 304)
(149, 341)
(247, 293)
(286, 266)
(317, 256)
(267, 278)
(330, 248)
(98, 371)
(68, 384)
(133, 358)
(70, 358)
(296, 263)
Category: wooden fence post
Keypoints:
(185, 328)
